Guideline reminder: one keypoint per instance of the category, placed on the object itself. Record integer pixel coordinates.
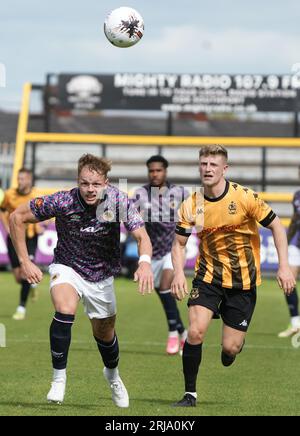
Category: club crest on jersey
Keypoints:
(194, 293)
(38, 203)
(232, 208)
(173, 204)
(108, 216)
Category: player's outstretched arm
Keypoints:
(285, 276)
(144, 274)
(179, 287)
(17, 223)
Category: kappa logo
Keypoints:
(244, 323)
(232, 208)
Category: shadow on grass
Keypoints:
(49, 406)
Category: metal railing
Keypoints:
(7, 153)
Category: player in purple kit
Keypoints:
(158, 203)
(294, 261)
(86, 259)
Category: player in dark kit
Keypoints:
(158, 202)
(86, 259)
(228, 266)
(294, 261)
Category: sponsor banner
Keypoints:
(210, 93)
(47, 242)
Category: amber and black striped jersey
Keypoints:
(12, 200)
(229, 249)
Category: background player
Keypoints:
(13, 198)
(294, 261)
(158, 202)
(228, 266)
(86, 259)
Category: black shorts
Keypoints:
(235, 307)
(31, 247)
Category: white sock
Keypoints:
(194, 394)
(183, 336)
(21, 309)
(295, 321)
(112, 373)
(173, 334)
(59, 374)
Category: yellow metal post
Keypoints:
(21, 134)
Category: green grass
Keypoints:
(263, 381)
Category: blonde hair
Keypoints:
(99, 164)
(213, 149)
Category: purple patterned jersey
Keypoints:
(159, 208)
(88, 237)
(296, 206)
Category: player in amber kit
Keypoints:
(158, 202)
(13, 198)
(227, 271)
(86, 259)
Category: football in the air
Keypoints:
(124, 27)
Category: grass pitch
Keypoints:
(264, 380)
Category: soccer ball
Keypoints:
(124, 27)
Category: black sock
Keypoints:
(179, 326)
(25, 289)
(60, 339)
(293, 302)
(170, 308)
(109, 352)
(191, 360)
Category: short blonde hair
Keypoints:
(213, 149)
(99, 164)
